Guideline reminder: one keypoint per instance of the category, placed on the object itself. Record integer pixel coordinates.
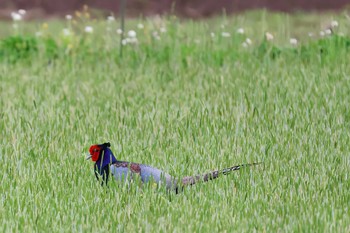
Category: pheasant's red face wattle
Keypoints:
(95, 151)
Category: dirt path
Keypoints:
(185, 8)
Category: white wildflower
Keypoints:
(156, 35)
(162, 29)
(16, 17)
(131, 34)
(268, 36)
(248, 41)
(66, 32)
(119, 31)
(110, 18)
(310, 34)
(240, 31)
(69, 17)
(89, 29)
(22, 11)
(132, 40)
(293, 41)
(244, 44)
(140, 26)
(334, 24)
(212, 34)
(38, 34)
(322, 33)
(225, 34)
(328, 31)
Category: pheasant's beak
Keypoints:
(88, 156)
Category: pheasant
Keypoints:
(106, 164)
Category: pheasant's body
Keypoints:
(122, 171)
(107, 164)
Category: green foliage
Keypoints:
(267, 50)
(330, 48)
(326, 49)
(23, 48)
(51, 49)
(17, 47)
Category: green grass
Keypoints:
(186, 108)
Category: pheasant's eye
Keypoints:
(95, 150)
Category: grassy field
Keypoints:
(188, 97)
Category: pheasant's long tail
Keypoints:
(191, 180)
